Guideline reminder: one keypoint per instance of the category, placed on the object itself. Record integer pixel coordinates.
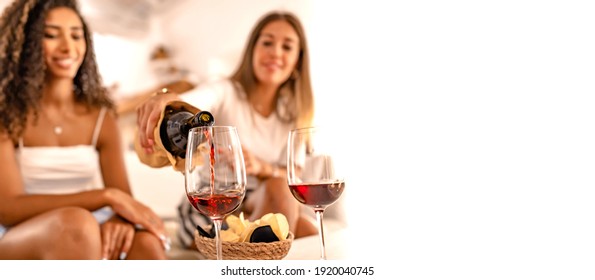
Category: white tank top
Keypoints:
(61, 170)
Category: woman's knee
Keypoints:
(65, 233)
(73, 225)
(146, 246)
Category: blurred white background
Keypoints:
(471, 123)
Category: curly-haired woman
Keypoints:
(64, 192)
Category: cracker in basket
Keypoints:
(236, 224)
(228, 235)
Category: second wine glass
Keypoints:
(215, 175)
(314, 173)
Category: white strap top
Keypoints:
(61, 170)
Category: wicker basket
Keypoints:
(243, 250)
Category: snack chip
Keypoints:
(228, 235)
(235, 224)
(240, 229)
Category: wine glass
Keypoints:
(215, 175)
(314, 174)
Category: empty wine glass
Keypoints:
(314, 176)
(215, 175)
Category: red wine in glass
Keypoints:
(209, 203)
(317, 195)
(315, 172)
(215, 205)
(215, 176)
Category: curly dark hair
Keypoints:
(22, 69)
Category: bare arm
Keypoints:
(111, 154)
(260, 168)
(129, 105)
(115, 178)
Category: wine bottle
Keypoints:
(175, 126)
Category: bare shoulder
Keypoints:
(7, 146)
(4, 137)
(110, 130)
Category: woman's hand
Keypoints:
(254, 166)
(116, 237)
(147, 117)
(257, 167)
(141, 216)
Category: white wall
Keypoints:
(125, 62)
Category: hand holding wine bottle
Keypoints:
(175, 126)
(149, 114)
(164, 122)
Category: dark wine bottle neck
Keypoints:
(175, 128)
(203, 118)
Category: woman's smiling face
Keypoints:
(64, 44)
(276, 53)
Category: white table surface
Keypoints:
(308, 248)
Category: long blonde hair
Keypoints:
(294, 99)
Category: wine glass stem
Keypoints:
(218, 223)
(320, 233)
